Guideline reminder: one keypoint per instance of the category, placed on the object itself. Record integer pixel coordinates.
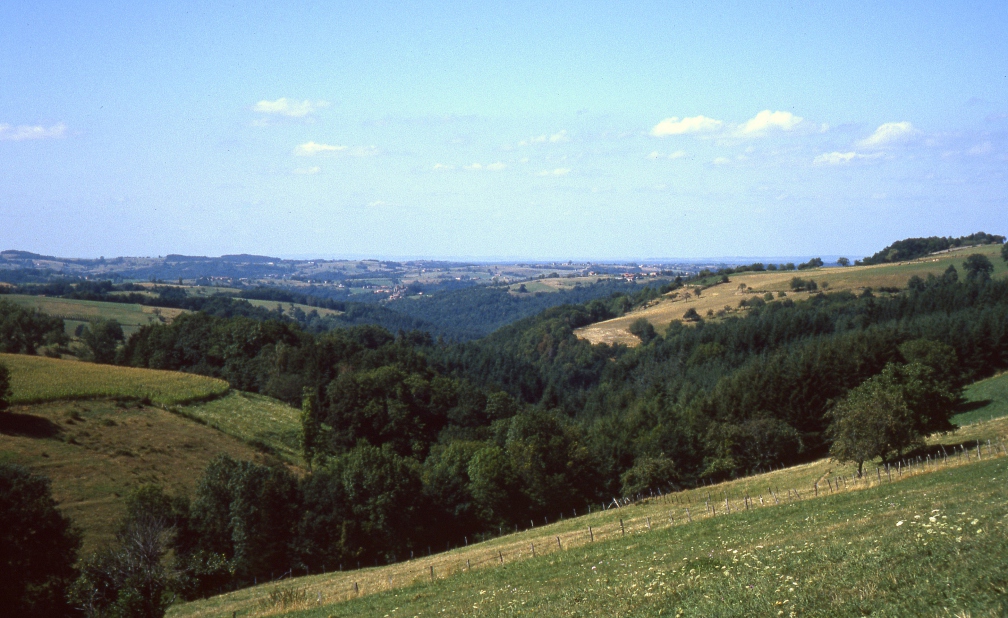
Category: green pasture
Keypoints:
(985, 400)
(810, 540)
(74, 312)
(257, 420)
(36, 379)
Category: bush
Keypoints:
(648, 473)
(5, 388)
(38, 546)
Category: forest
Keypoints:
(415, 443)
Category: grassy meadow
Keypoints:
(809, 540)
(985, 400)
(257, 420)
(75, 312)
(97, 451)
(726, 296)
(36, 379)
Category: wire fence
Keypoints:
(668, 510)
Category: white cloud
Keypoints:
(493, 167)
(311, 148)
(675, 126)
(889, 133)
(443, 166)
(307, 171)
(766, 119)
(26, 132)
(981, 149)
(378, 204)
(556, 138)
(291, 108)
(722, 161)
(838, 158)
(560, 171)
(678, 154)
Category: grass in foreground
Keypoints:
(36, 379)
(96, 451)
(260, 421)
(929, 542)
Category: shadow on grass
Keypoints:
(26, 425)
(970, 406)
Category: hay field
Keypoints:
(36, 379)
(75, 312)
(810, 538)
(726, 296)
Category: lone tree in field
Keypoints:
(691, 315)
(643, 330)
(978, 268)
(843, 262)
(873, 420)
(5, 389)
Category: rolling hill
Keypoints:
(744, 286)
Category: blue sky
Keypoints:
(518, 130)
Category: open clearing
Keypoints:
(726, 296)
(96, 451)
(37, 379)
(871, 545)
(261, 421)
(985, 400)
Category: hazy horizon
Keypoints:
(501, 130)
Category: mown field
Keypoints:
(726, 296)
(810, 540)
(75, 312)
(262, 422)
(36, 379)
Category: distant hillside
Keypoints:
(913, 248)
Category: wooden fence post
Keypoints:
(559, 546)
(591, 534)
(432, 572)
(622, 529)
(649, 524)
(533, 549)
(501, 556)
(688, 517)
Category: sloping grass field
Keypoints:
(97, 451)
(36, 379)
(985, 400)
(75, 312)
(262, 422)
(726, 296)
(928, 539)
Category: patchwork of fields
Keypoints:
(726, 296)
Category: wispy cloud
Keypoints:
(721, 161)
(839, 158)
(289, 107)
(678, 154)
(560, 171)
(26, 132)
(889, 134)
(307, 171)
(309, 149)
(443, 166)
(694, 124)
(493, 167)
(556, 138)
(766, 120)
